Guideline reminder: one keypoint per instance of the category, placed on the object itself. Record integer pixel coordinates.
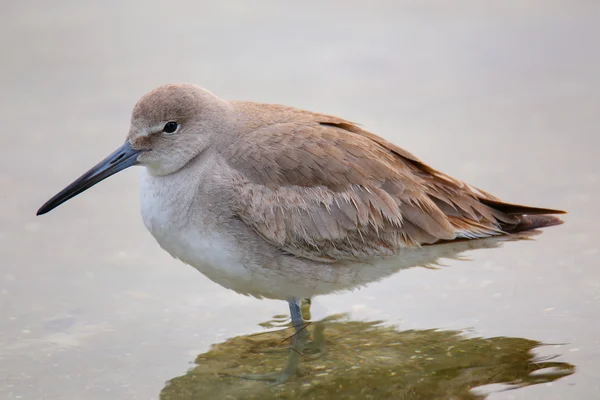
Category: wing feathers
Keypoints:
(322, 188)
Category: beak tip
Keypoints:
(41, 211)
(124, 157)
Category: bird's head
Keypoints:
(170, 126)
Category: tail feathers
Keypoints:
(515, 209)
(529, 222)
(528, 217)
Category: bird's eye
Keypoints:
(171, 127)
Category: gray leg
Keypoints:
(298, 341)
(296, 312)
(315, 348)
(295, 352)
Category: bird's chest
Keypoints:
(183, 223)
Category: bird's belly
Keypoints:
(191, 238)
(211, 254)
(221, 259)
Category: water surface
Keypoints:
(502, 95)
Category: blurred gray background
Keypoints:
(502, 94)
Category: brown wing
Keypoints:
(322, 188)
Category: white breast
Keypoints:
(174, 213)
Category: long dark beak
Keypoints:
(124, 157)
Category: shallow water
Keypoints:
(504, 97)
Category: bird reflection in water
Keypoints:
(369, 360)
(359, 360)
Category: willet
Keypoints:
(277, 202)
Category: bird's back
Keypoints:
(323, 188)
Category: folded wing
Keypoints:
(322, 188)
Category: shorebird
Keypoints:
(277, 202)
